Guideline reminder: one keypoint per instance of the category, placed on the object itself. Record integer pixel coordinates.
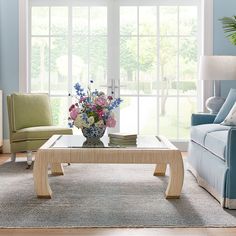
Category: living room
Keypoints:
(89, 88)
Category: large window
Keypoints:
(145, 51)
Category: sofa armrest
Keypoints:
(231, 148)
(202, 118)
(231, 164)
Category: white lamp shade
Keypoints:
(217, 68)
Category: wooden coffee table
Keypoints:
(73, 149)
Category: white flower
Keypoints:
(100, 123)
(79, 122)
(91, 120)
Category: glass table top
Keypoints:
(79, 141)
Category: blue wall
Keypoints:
(222, 46)
(9, 70)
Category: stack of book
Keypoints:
(122, 139)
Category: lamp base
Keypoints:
(213, 104)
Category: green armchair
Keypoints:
(30, 123)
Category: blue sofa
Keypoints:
(212, 158)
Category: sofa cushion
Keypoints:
(230, 119)
(216, 143)
(225, 109)
(199, 132)
(39, 132)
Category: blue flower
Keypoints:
(115, 104)
(79, 90)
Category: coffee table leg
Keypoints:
(176, 177)
(57, 169)
(41, 185)
(160, 170)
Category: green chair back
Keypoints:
(28, 110)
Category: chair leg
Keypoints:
(13, 157)
(29, 159)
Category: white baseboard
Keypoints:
(6, 146)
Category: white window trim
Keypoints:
(207, 47)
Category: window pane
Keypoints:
(98, 20)
(147, 21)
(168, 65)
(168, 20)
(188, 66)
(129, 115)
(60, 110)
(98, 61)
(128, 65)
(80, 60)
(59, 66)
(147, 65)
(39, 64)
(188, 20)
(80, 20)
(168, 117)
(187, 106)
(128, 20)
(148, 115)
(59, 20)
(40, 20)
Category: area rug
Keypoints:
(90, 195)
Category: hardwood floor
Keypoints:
(121, 232)
(117, 231)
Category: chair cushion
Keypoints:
(225, 109)
(40, 132)
(199, 132)
(216, 143)
(30, 110)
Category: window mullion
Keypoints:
(178, 73)
(113, 53)
(49, 55)
(158, 69)
(88, 49)
(70, 59)
(138, 121)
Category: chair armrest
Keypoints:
(202, 118)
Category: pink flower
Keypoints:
(71, 107)
(100, 113)
(82, 99)
(73, 113)
(110, 97)
(101, 101)
(111, 122)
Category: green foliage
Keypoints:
(55, 104)
(188, 50)
(184, 85)
(229, 26)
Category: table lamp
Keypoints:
(217, 68)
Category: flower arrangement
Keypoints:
(93, 108)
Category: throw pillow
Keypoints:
(225, 109)
(231, 117)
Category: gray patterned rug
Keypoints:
(106, 196)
